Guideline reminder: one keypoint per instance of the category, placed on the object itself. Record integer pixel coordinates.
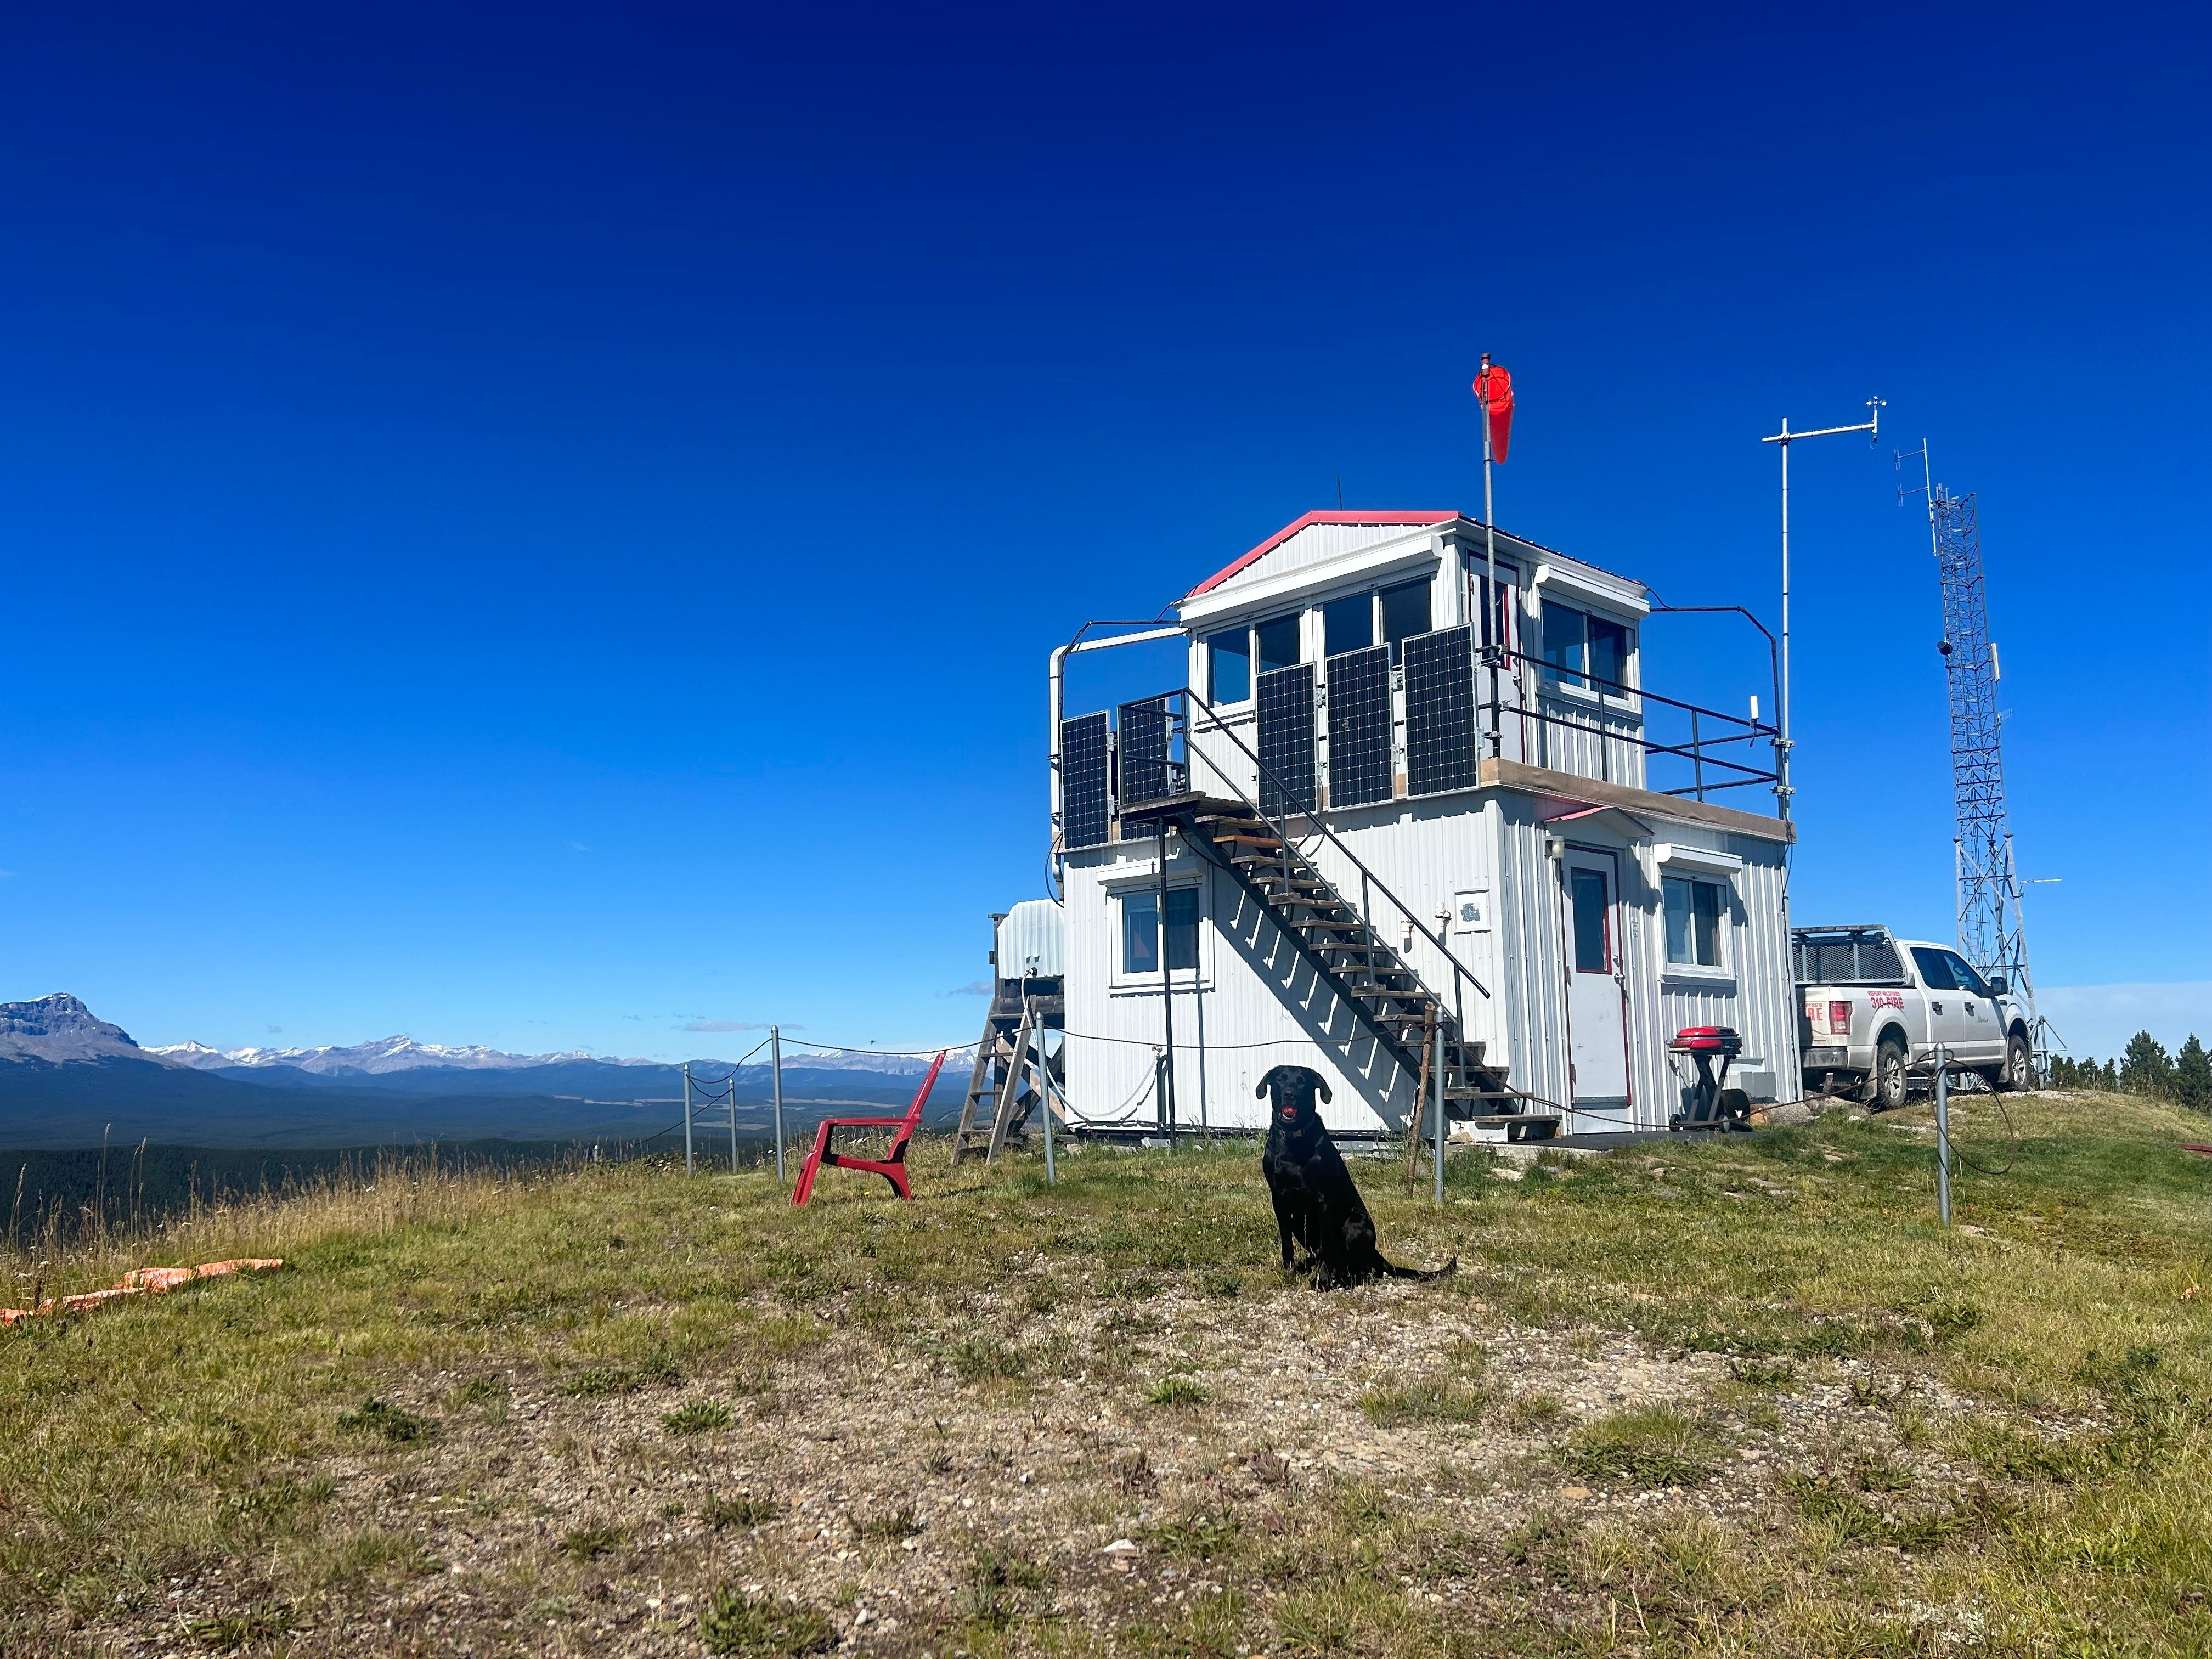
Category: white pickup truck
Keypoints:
(1876, 1008)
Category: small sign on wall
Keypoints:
(1471, 911)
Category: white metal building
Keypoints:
(1386, 825)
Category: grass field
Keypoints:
(1740, 1396)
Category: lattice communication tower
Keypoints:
(1992, 935)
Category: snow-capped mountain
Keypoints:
(404, 1053)
(892, 1065)
(198, 1055)
(391, 1054)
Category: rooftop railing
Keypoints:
(1708, 729)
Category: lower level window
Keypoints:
(1140, 931)
(1694, 922)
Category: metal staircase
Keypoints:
(1421, 1030)
(1411, 1023)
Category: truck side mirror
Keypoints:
(1998, 987)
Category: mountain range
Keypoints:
(70, 1079)
(391, 1054)
(403, 1054)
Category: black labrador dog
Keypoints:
(1316, 1203)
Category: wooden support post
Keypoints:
(1439, 1083)
(1010, 1089)
(986, 1048)
(1045, 1108)
(1420, 1094)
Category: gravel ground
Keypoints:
(868, 1483)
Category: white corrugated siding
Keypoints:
(1315, 543)
(1219, 756)
(1261, 1005)
(1614, 757)
(1756, 999)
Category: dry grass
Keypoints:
(1735, 1397)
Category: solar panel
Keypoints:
(1286, 738)
(1144, 750)
(1359, 726)
(1440, 750)
(1083, 798)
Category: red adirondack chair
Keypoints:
(891, 1168)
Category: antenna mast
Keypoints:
(1992, 933)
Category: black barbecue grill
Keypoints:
(1713, 1105)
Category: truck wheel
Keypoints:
(2018, 1070)
(1886, 1085)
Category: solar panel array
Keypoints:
(1440, 749)
(1084, 804)
(1286, 738)
(1144, 731)
(1359, 726)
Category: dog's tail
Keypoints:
(1397, 1272)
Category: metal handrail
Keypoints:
(1757, 728)
(1191, 699)
(1694, 751)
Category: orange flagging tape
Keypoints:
(139, 1281)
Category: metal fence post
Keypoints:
(732, 1086)
(775, 1066)
(1436, 1071)
(689, 1169)
(1044, 1104)
(1167, 1102)
(1943, 1133)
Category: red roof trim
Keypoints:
(1291, 529)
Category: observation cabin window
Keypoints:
(1583, 650)
(1229, 665)
(1140, 931)
(1496, 628)
(1347, 624)
(1276, 643)
(1230, 653)
(1608, 654)
(1405, 613)
(1694, 909)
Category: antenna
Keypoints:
(1782, 745)
(1992, 931)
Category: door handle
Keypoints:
(1936, 1006)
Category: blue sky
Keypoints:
(542, 526)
